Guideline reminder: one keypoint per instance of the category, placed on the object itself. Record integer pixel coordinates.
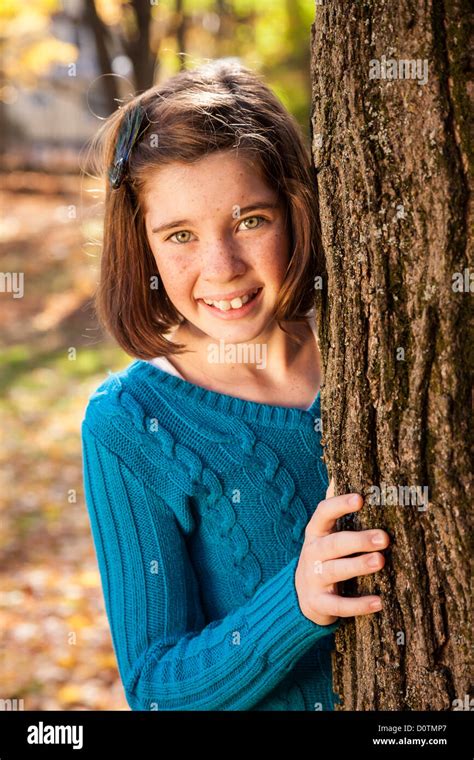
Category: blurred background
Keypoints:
(64, 66)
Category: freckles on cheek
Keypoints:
(171, 266)
(179, 267)
(177, 277)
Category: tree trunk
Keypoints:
(101, 33)
(181, 30)
(138, 47)
(390, 150)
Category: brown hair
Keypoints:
(221, 105)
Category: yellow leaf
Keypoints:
(66, 660)
(107, 661)
(76, 622)
(69, 693)
(89, 578)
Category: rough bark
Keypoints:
(392, 165)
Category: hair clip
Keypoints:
(128, 134)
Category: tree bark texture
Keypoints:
(392, 167)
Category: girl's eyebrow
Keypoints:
(242, 210)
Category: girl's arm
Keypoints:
(169, 656)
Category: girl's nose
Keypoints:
(221, 262)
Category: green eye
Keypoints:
(181, 232)
(249, 218)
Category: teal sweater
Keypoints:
(198, 503)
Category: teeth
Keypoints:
(236, 303)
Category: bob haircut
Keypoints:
(221, 105)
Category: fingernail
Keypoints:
(377, 605)
(354, 500)
(373, 561)
(378, 539)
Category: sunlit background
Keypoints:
(64, 66)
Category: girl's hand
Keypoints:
(324, 561)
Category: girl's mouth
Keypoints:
(232, 313)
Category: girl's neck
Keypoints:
(273, 369)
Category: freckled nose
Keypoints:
(221, 262)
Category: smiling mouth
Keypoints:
(233, 305)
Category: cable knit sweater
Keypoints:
(198, 502)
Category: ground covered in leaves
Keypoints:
(56, 652)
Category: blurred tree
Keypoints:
(143, 40)
(102, 37)
(28, 48)
(122, 28)
(391, 155)
(172, 34)
(181, 28)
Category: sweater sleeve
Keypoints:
(169, 656)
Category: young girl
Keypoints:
(203, 469)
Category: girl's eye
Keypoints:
(250, 218)
(181, 232)
(244, 221)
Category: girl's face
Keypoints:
(217, 233)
